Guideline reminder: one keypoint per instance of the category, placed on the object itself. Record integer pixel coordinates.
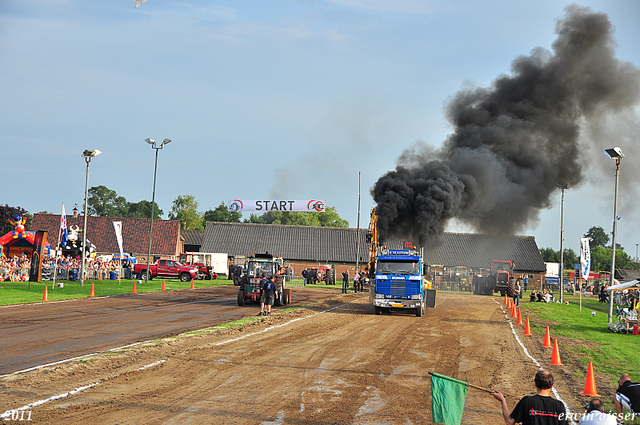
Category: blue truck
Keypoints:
(399, 282)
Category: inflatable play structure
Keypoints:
(18, 241)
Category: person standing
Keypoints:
(516, 293)
(262, 295)
(356, 278)
(305, 272)
(345, 281)
(627, 395)
(539, 409)
(269, 290)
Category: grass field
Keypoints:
(611, 353)
(25, 292)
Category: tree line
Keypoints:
(600, 253)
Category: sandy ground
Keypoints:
(332, 363)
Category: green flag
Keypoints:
(447, 399)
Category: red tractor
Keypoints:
(500, 279)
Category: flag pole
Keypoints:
(55, 263)
(480, 388)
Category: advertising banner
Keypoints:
(117, 225)
(35, 273)
(585, 257)
(311, 205)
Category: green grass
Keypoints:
(23, 292)
(611, 353)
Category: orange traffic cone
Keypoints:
(45, 296)
(555, 357)
(508, 301)
(93, 290)
(519, 322)
(134, 288)
(513, 311)
(590, 384)
(527, 328)
(163, 288)
(505, 298)
(547, 339)
(192, 286)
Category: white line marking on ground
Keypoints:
(72, 392)
(536, 362)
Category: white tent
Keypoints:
(626, 285)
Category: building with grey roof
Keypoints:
(336, 245)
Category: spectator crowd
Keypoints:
(16, 268)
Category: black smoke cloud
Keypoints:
(513, 142)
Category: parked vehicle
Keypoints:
(208, 264)
(168, 269)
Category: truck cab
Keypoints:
(399, 282)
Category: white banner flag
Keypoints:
(312, 205)
(117, 225)
(585, 257)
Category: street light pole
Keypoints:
(563, 187)
(87, 155)
(152, 142)
(614, 153)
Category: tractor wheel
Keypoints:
(511, 289)
(241, 298)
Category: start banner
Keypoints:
(311, 205)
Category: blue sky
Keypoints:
(268, 99)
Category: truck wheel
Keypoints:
(420, 310)
(241, 298)
(377, 310)
(185, 277)
(143, 276)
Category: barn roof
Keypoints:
(135, 233)
(336, 244)
(192, 237)
(478, 251)
(332, 244)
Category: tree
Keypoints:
(7, 213)
(597, 237)
(142, 209)
(329, 218)
(549, 255)
(222, 214)
(185, 210)
(104, 202)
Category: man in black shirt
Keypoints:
(268, 286)
(627, 395)
(539, 409)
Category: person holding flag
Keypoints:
(539, 409)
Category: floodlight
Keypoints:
(91, 153)
(166, 141)
(614, 153)
(150, 141)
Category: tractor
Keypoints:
(256, 266)
(500, 279)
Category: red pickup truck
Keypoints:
(168, 269)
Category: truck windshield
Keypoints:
(260, 267)
(501, 267)
(397, 267)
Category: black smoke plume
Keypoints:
(514, 142)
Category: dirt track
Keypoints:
(337, 364)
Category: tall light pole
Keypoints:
(614, 153)
(563, 187)
(152, 142)
(87, 155)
